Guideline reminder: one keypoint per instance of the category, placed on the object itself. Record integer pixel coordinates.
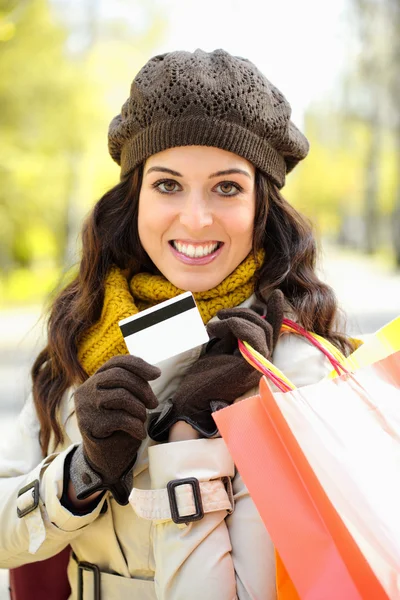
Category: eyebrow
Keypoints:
(217, 174)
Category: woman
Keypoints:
(204, 143)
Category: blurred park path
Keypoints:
(367, 290)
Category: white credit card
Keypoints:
(165, 330)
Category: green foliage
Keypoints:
(55, 107)
(37, 107)
(27, 285)
(329, 185)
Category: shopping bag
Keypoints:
(328, 495)
(43, 580)
(383, 342)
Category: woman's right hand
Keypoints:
(111, 412)
(221, 375)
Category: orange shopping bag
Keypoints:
(322, 464)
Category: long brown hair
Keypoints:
(290, 264)
(110, 236)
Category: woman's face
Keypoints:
(196, 214)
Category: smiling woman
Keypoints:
(130, 470)
(198, 226)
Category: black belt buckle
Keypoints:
(194, 483)
(34, 486)
(85, 566)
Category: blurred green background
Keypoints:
(66, 67)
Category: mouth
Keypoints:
(196, 254)
(195, 250)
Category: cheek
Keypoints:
(146, 220)
(154, 219)
(241, 222)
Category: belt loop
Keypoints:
(227, 481)
(85, 566)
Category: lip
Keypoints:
(195, 242)
(196, 261)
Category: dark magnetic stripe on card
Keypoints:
(157, 316)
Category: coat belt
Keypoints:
(89, 583)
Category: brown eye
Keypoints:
(228, 188)
(168, 186)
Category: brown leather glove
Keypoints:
(111, 412)
(222, 375)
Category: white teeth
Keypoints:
(195, 251)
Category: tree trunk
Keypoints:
(73, 212)
(396, 209)
(371, 213)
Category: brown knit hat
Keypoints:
(206, 99)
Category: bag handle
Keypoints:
(267, 368)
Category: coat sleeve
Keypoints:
(45, 527)
(192, 561)
(300, 361)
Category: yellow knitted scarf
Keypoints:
(122, 299)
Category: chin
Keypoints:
(196, 283)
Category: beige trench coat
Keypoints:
(220, 557)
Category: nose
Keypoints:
(196, 214)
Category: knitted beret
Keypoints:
(206, 99)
